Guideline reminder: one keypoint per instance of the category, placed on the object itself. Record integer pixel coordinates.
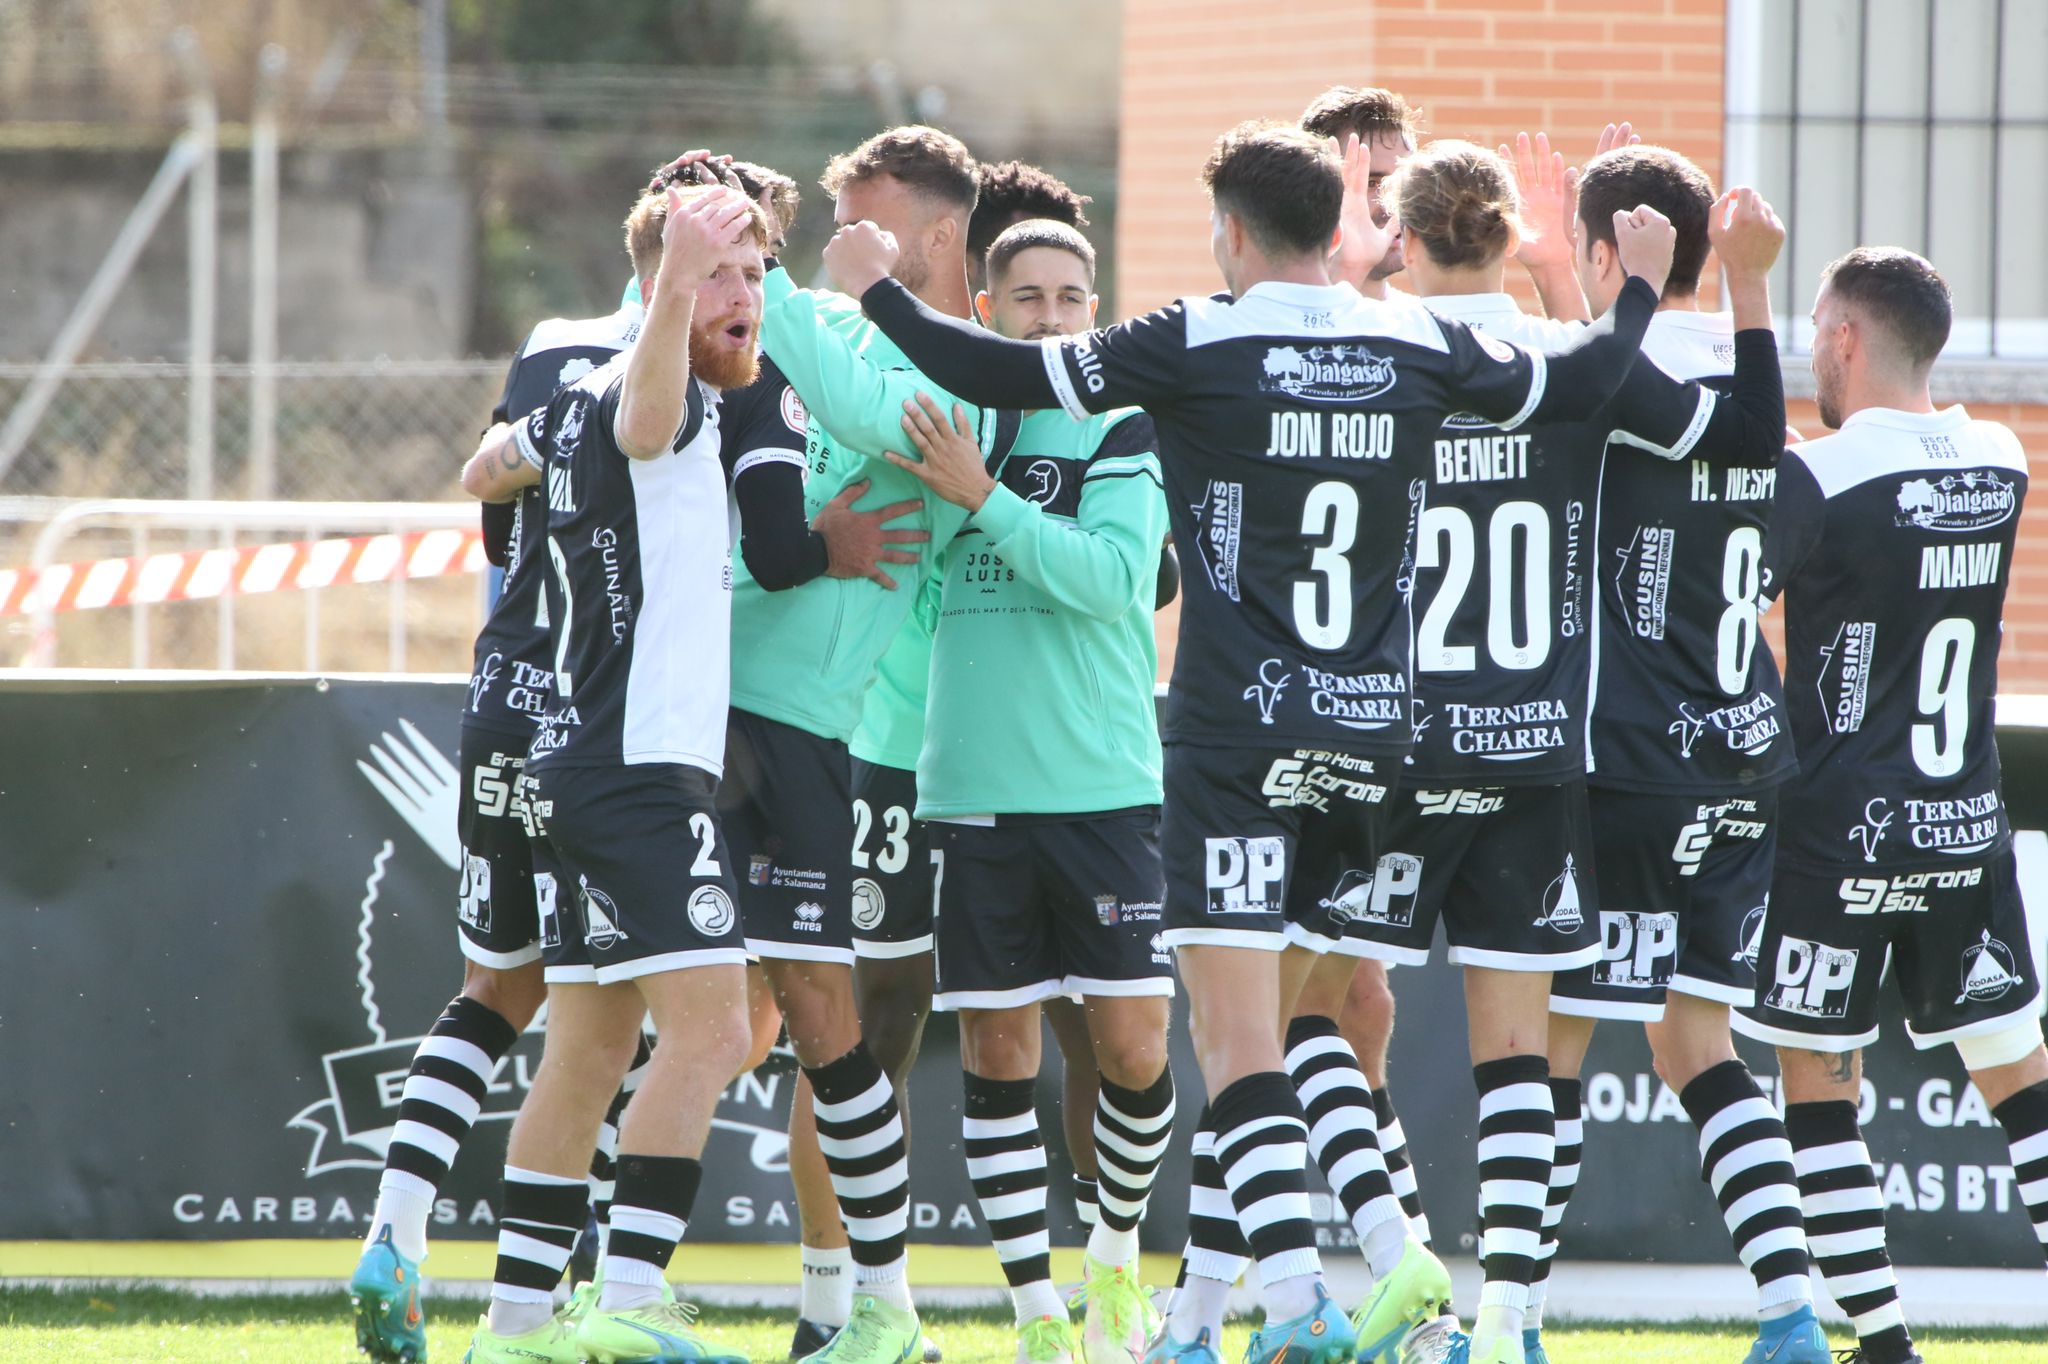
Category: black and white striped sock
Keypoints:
(1216, 1256)
(1216, 1249)
(1843, 1209)
(1567, 1104)
(1087, 1201)
(444, 1092)
(1262, 1145)
(604, 1162)
(1400, 1169)
(1006, 1166)
(649, 1216)
(2024, 1116)
(538, 1223)
(1517, 1149)
(1343, 1136)
(1132, 1130)
(860, 1132)
(1746, 1159)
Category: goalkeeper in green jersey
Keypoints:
(1039, 775)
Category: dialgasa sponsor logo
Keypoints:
(1326, 373)
(1970, 500)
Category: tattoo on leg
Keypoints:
(1841, 1066)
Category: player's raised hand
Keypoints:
(680, 172)
(1746, 233)
(1622, 134)
(696, 234)
(858, 543)
(1550, 196)
(1363, 240)
(1645, 240)
(860, 256)
(951, 465)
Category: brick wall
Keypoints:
(1479, 69)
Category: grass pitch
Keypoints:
(157, 1326)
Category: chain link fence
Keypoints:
(344, 431)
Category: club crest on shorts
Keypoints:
(869, 905)
(1561, 901)
(760, 869)
(1989, 970)
(711, 911)
(1752, 939)
(1106, 910)
(600, 918)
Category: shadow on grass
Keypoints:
(127, 1305)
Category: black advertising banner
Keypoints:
(229, 908)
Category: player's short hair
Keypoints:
(650, 215)
(753, 180)
(1659, 178)
(1284, 184)
(931, 162)
(1012, 192)
(1458, 200)
(1901, 292)
(1021, 237)
(1370, 111)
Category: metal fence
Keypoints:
(344, 431)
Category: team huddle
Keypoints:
(820, 694)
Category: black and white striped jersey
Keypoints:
(638, 583)
(1296, 428)
(1686, 692)
(509, 673)
(1891, 544)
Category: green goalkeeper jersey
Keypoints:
(1043, 661)
(891, 732)
(808, 656)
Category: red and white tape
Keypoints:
(196, 575)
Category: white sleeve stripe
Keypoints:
(754, 457)
(1052, 350)
(1702, 414)
(527, 452)
(1539, 376)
